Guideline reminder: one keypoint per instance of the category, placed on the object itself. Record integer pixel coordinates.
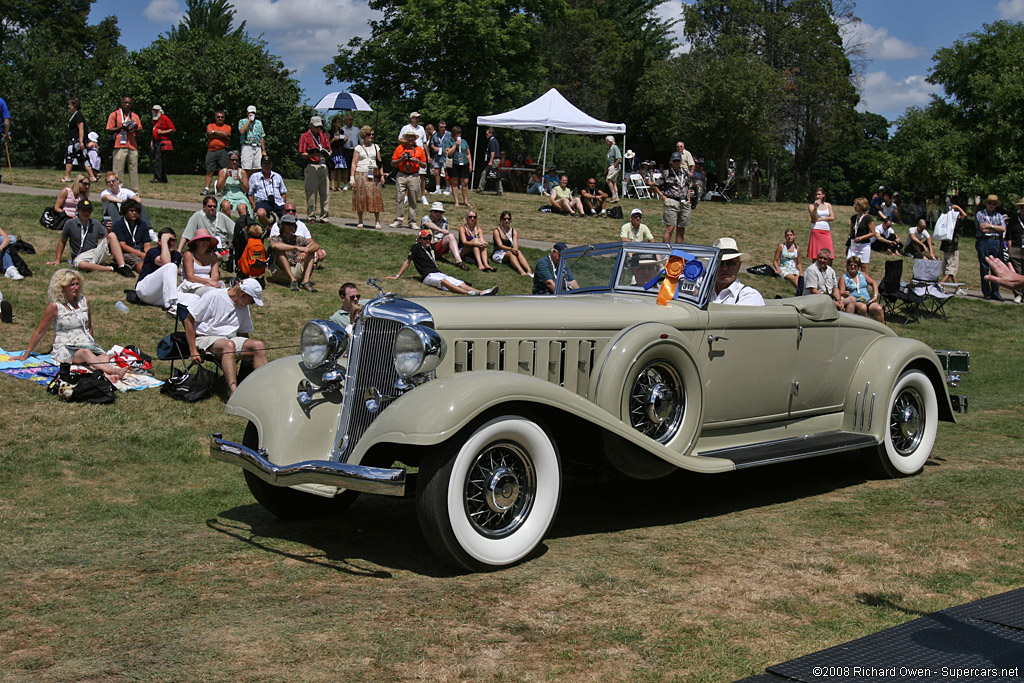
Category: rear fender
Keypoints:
(867, 397)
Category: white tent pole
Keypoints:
(622, 166)
(476, 138)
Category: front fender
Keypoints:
(867, 397)
(268, 399)
(434, 412)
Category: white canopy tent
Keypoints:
(550, 113)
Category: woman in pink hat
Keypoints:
(200, 272)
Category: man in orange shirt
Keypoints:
(218, 135)
(408, 159)
(123, 124)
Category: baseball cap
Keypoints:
(424, 233)
(251, 109)
(676, 156)
(415, 115)
(437, 206)
(251, 287)
(316, 121)
(609, 138)
(85, 205)
(636, 212)
(289, 218)
(157, 107)
(560, 246)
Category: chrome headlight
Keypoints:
(322, 342)
(418, 350)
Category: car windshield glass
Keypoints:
(635, 267)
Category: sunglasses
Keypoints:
(289, 210)
(84, 184)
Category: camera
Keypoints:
(129, 124)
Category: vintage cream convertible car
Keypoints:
(475, 405)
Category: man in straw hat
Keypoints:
(991, 226)
(728, 288)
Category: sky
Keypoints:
(899, 37)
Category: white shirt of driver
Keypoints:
(739, 294)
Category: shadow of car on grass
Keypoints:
(377, 533)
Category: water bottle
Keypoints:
(121, 306)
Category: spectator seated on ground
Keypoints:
(442, 239)
(635, 230)
(300, 230)
(421, 255)
(292, 257)
(562, 201)
(473, 243)
(215, 222)
(550, 179)
(819, 278)
(886, 239)
(113, 197)
(92, 247)
(158, 280)
(919, 242)
(535, 185)
(593, 199)
(219, 323)
(200, 267)
(132, 233)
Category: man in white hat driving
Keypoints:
(728, 288)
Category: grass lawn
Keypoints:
(129, 555)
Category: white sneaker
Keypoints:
(490, 291)
(425, 202)
(346, 188)
(1017, 298)
(447, 192)
(13, 273)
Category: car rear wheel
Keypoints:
(911, 423)
(488, 496)
(287, 503)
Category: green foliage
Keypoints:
(176, 72)
(211, 18)
(930, 151)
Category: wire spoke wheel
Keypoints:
(500, 489)
(907, 421)
(657, 401)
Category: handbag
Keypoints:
(52, 220)
(190, 386)
(492, 173)
(91, 387)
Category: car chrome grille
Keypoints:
(376, 370)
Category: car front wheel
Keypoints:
(487, 497)
(911, 423)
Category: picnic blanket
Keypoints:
(41, 369)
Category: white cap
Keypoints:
(609, 138)
(315, 121)
(437, 206)
(251, 109)
(157, 107)
(251, 287)
(94, 136)
(636, 212)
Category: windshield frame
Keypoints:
(709, 256)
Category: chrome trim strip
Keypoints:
(380, 480)
(856, 409)
(871, 412)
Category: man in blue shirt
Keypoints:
(5, 116)
(546, 271)
(991, 225)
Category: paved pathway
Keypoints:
(194, 206)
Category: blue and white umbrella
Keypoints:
(347, 101)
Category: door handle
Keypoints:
(712, 338)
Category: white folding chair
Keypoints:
(637, 187)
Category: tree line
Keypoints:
(765, 81)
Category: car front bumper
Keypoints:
(379, 480)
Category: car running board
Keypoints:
(809, 446)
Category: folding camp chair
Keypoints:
(925, 284)
(637, 187)
(177, 349)
(895, 299)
